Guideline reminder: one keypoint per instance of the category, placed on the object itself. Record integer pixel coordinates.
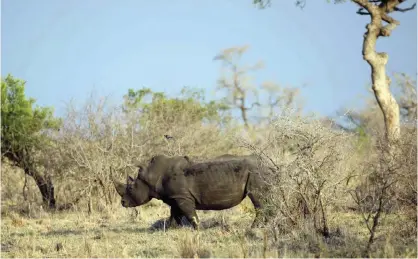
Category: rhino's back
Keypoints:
(218, 184)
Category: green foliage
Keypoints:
(261, 3)
(134, 98)
(190, 106)
(22, 125)
(363, 140)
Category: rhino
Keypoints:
(187, 186)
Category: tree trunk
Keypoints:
(45, 187)
(44, 183)
(381, 81)
(377, 62)
(244, 116)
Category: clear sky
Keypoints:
(65, 49)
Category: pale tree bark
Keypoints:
(379, 12)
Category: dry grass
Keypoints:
(115, 234)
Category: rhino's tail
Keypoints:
(247, 185)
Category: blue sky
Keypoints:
(65, 49)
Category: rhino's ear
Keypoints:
(137, 163)
(130, 179)
(187, 158)
(140, 170)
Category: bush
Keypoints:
(389, 186)
(308, 164)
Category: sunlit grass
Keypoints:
(116, 233)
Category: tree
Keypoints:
(282, 98)
(24, 132)
(237, 84)
(379, 11)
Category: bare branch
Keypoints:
(362, 11)
(252, 106)
(405, 9)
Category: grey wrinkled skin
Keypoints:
(186, 186)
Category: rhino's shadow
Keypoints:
(162, 224)
(63, 232)
(97, 231)
(129, 230)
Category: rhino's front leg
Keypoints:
(175, 217)
(187, 208)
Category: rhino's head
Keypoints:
(134, 193)
(147, 184)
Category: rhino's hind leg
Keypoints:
(187, 208)
(258, 220)
(254, 191)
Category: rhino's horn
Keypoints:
(120, 187)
